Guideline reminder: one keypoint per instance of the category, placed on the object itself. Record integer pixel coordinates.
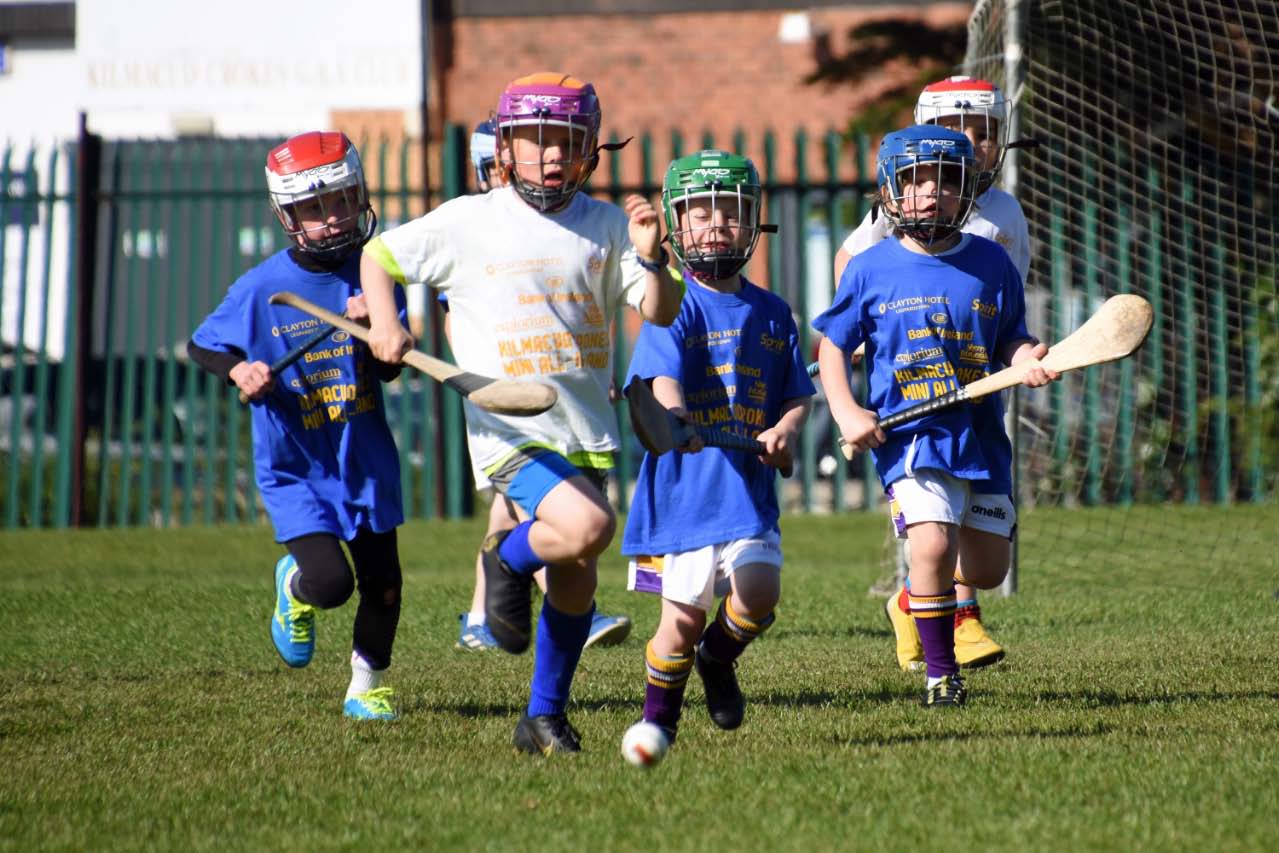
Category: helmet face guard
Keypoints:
(728, 189)
(916, 157)
(541, 102)
(483, 152)
(972, 104)
(324, 171)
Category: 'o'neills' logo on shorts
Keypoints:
(989, 512)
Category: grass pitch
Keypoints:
(143, 706)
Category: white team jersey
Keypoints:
(531, 296)
(996, 216)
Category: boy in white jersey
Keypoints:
(978, 109)
(936, 308)
(473, 631)
(534, 272)
(705, 524)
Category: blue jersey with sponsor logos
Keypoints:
(737, 357)
(932, 323)
(324, 456)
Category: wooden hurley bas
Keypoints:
(1116, 331)
(500, 396)
(660, 432)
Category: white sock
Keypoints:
(932, 682)
(473, 619)
(363, 677)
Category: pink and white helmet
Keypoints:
(326, 167)
(982, 107)
(543, 100)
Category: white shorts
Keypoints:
(934, 495)
(701, 576)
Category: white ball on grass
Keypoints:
(645, 744)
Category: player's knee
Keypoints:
(593, 531)
(930, 545)
(984, 559)
(757, 592)
(327, 591)
(383, 593)
(987, 577)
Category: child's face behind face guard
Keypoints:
(317, 190)
(711, 201)
(548, 126)
(927, 182)
(978, 109)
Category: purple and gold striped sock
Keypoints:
(664, 692)
(935, 618)
(727, 637)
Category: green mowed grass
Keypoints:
(143, 705)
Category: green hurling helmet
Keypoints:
(727, 193)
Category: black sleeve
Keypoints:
(215, 361)
(385, 372)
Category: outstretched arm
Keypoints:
(662, 294)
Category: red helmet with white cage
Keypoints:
(317, 178)
(981, 111)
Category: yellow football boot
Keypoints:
(973, 646)
(910, 651)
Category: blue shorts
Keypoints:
(529, 476)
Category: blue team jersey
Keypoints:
(737, 358)
(932, 323)
(324, 456)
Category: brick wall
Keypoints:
(713, 71)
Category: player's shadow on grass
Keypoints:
(914, 738)
(837, 701)
(1112, 699)
(833, 632)
(474, 710)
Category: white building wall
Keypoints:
(243, 67)
(155, 68)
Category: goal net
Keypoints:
(1155, 175)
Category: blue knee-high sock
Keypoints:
(560, 637)
(517, 552)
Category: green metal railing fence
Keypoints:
(113, 251)
(108, 268)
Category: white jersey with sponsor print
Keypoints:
(531, 296)
(996, 216)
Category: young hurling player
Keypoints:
(936, 308)
(324, 458)
(704, 523)
(473, 633)
(533, 272)
(978, 109)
